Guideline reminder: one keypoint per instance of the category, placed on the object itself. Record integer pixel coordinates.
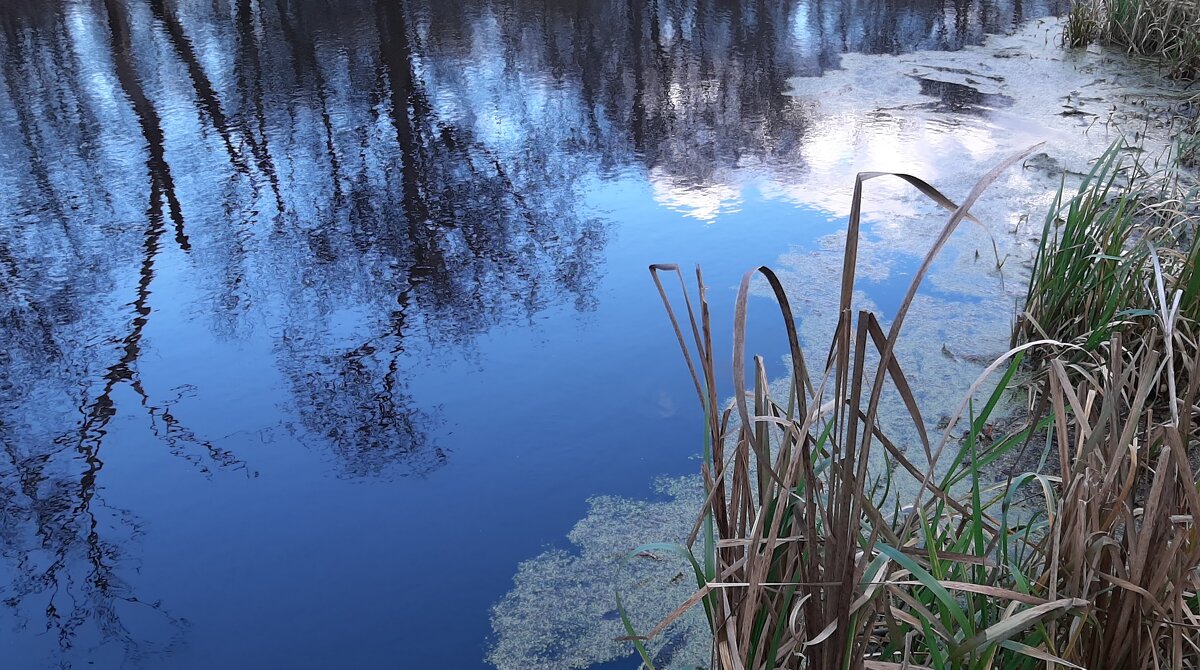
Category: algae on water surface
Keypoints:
(562, 612)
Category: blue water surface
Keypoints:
(320, 317)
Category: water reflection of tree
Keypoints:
(378, 182)
(424, 230)
(65, 545)
(461, 238)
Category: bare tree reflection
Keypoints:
(375, 183)
(66, 545)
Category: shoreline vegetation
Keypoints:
(1086, 552)
(1166, 32)
(804, 558)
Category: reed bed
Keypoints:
(1121, 257)
(1167, 31)
(805, 558)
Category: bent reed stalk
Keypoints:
(804, 559)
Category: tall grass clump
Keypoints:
(806, 555)
(1121, 257)
(1117, 276)
(1167, 31)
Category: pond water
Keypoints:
(321, 316)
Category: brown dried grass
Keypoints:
(800, 562)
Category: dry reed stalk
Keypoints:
(799, 567)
